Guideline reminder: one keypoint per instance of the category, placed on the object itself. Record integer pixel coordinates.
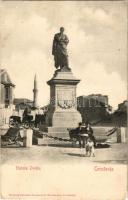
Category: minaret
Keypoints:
(35, 92)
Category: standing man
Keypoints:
(79, 130)
(82, 135)
(89, 131)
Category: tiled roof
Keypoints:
(18, 101)
(22, 100)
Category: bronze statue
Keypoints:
(59, 50)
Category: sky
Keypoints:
(97, 49)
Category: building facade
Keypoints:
(6, 97)
(21, 104)
(93, 107)
(120, 116)
(123, 106)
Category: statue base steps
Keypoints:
(60, 132)
(49, 141)
(66, 118)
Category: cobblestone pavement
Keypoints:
(116, 153)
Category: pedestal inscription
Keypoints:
(65, 99)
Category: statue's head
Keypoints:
(61, 29)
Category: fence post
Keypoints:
(123, 135)
(27, 141)
(118, 135)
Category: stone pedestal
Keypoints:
(121, 135)
(63, 112)
(118, 135)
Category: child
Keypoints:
(89, 148)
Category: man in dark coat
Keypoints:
(89, 131)
(81, 131)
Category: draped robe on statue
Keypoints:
(59, 50)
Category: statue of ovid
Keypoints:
(59, 51)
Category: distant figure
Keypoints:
(26, 112)
(82, 135)
(59, 50)
(89, 131)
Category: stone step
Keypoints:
(47, 141)
(58, 129)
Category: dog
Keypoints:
(89, 148)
